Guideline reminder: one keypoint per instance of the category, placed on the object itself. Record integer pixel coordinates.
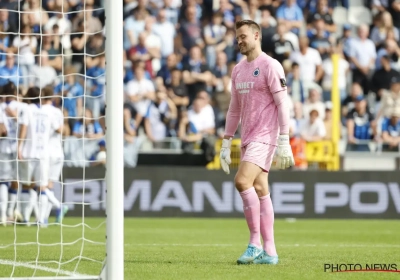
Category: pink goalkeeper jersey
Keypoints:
(258, 92)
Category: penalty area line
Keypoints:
(42, 268)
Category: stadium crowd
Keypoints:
(178, 57)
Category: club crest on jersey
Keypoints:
(256, 72)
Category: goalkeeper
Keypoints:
(259, 99)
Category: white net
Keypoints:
(52, 145)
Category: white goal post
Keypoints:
(113, 267)
(115, 142)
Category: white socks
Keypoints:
(53, 201)
(26, 205)
(43, 204)
(12, 199)
(34, 203)
(3, 201)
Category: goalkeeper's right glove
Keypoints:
(225, 155)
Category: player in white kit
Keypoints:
(36, 126)
(56, 158)
(8, 153)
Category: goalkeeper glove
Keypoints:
(283, 157)
(225, 155)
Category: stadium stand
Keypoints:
(179, 55)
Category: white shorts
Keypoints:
(8, 167)
(34, 171)
(55, 168)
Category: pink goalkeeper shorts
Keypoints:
(258, 153)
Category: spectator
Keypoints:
(129, 126)
(295, 85)
(392, 50)
(394, 10)
(362, 56)
(153, 45)
(10, 71)
(87, 127)
(359, 126)
(172, 11)
(50, 43)
(252, 11)
(214, 34)
(25, 45)
(292, 15)
(78, 43)
(72, 95)
(141, 52)
(319, 38)
(196, 74)
(202, 116)
(348, 103)
(97, 81)
(345, 40)
(44, 74)
(61, 26)
(160, 118)
(133, 26)
(188, 133)
(227, 10)
(166, 31)
(297, 119)
(267, 31)
(140, 92)
(190, 34)
(314, 102)
(177, 90)
(7, 23)
(343, 71)
(93, 23)
(391, 131)
(94, 47)
(297, 143)
(322, 12)
(164, 75)
(380, 30)
(381, 79)
(222, 94)
(33, 7)
(328, 120)
(313, 129)
(390, 101)
(282, 48)
(309, 61)
(4, 45)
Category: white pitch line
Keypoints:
(278, 245)
(42, 268)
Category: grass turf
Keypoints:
(208, 248)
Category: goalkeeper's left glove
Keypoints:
(283, 157)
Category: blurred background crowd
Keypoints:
(179, 55)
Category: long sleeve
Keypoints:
(278, 88)
(233, 115)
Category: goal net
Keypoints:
(53, 142)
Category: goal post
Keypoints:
(114, 137)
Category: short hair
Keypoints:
(9, 89)
(250, 23)
(33, 95)
(48, 92)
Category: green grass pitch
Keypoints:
(207, 248)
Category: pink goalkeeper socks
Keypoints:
(267, 224)
(251, 209)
